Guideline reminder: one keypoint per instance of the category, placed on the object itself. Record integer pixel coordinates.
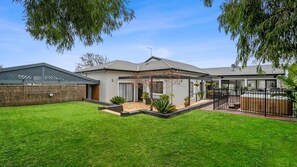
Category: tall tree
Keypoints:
(90, 60)
(265, 30)
(60, 22)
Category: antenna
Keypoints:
(151, 50)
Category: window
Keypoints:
(232, 84)
(260, 84)
(126, 91)
(251, 84)
(225, 84)
(158, 87)
(239, 84)
(191, 89)
(270, 84)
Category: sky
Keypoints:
(180, 30)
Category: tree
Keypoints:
(60, 22)
(90, 60)
(264, 29)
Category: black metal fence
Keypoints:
(267, 102)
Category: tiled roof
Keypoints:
(152, 64)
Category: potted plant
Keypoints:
(145, 98)
(187, 101)
(200, 94)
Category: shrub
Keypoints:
(164, 97)
(145, 95)
(163, 106)
(117, 100)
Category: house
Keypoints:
(130, 80)
(235, 78)
(159, 76)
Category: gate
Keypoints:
(220, 97)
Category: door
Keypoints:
(126, 90)
(95, 92)
(140, 91)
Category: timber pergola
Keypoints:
(176, 75)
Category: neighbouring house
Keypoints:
(158, 76)
(42, 83)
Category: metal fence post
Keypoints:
(213, 99)
(265, 99)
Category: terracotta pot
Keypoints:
(186, 104)
(147, 101)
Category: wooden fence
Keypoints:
(18, 95)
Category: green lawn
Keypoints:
(77, 134)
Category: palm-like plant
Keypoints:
(163, 106)
(291, 79)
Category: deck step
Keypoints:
(111, 112)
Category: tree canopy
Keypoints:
(265, 30)
(60, 22)
(90, 60)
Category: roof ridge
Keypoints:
(152, 57)
(111, 63)
(244, 68)
(166, 63)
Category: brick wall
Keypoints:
(17, 95)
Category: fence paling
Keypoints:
(266, 102)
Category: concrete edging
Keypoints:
(167, 115)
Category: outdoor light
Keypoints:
(50, 94)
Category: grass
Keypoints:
(77, 134)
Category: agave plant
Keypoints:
(117, 100)
(163, 106)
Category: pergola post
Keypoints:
(189, 95)
(151, 93)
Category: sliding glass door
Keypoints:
(126, 91)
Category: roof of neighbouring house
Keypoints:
(152, 64)
(41, 73)
(249, 70)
